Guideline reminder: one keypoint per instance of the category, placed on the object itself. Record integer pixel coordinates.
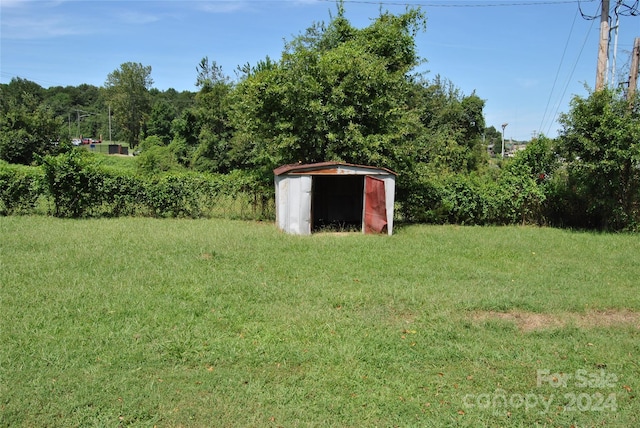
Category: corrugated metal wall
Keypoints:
(293, 203)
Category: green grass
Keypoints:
(116, 161)
(142, 322)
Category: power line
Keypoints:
(621, 9)
(466, 4)
(555, 114)
(612, 18)
(553, 87)
(629, 10)
(585, 16)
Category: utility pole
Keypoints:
(633, 72)
(615, 29)
(603, 47)
(504, 125)
(109, 123)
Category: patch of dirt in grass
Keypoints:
(529, 321)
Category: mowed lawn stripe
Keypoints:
(143, 322)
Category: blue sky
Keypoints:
(526, 58)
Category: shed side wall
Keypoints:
(282, 201)
(390, 190)
(293, 204)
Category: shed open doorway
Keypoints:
(337, 202)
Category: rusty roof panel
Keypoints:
(325, 168)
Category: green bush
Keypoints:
(447, 198)
(600, 143)
(80, 186)
(525, 189)
(521, 196)
(512, 196)
(74, 181)
(465, 201)
(157, 159)
(122, 193)
(174, 195)
(20, 188)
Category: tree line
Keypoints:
(340, 93)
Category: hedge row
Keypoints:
(20, 188)
(76, 185)
(513, 197)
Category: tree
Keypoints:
(212, 113)
(493, 137)
(600, 142)
(82, 108)
(209, 74)
(524, 182)
(454, 125)
(28, 127)
(18, 88)
(128, 94)
(159, 123)
(338, 93)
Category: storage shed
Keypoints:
(311, 197)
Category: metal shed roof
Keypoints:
(327, 168)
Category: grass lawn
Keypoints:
(143, 322)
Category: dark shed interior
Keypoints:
(337, 201)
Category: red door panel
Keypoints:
(375, 206)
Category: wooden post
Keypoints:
(603, 46)
(633, 72)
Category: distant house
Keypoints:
(311, 197)
(518, 147)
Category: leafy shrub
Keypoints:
(20, 188)
(149, 142)
(521, 196)
(74, 182)
(173, 195)
(157, 159)
(511, 195)
(446, 198)
(80, 184)
(464, 199)
(122, 193)
(600, 144)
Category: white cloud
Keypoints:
(32, 20)
(13, 3)
(527, 82)
(25, 3)
(134, 17)
(40, 28)
(222, 6)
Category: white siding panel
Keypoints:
(282, 202)
(303, 206)
(390, 194)
(293, 204)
